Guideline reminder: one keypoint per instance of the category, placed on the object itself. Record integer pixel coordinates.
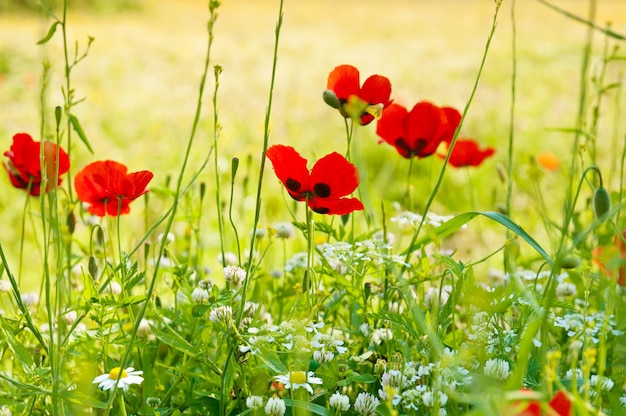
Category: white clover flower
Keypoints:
(497, 368)
(339, 401)
(366, 404)
(431, 297)
(378, 237)
(234, 275)
(275, 407)
(254, 402)
(125, 377)
(604, 382)
(431, 399)
(5, 286)
(322, 356)
(200, 295)
(113, 288)
(144, 330)
(299, 379)
(284, 230)
(30, 299)
(168, 238)
(5, 411)
(69, 317)
(229, 258)
(565, 289)
(222, 314)
(259, 232)
(381, 334)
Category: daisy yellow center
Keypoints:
(298, 377)
(117, 373)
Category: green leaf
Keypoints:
(79, 130)
(175, 341)
(310, 407)
(457, 222)
(50, 33)
(20, 351)
(82, 399)
(362, 378)
(272, 361)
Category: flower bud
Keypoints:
(601, 203)
(331, 99)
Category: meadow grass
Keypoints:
(201, 347)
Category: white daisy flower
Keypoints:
(126, 378)
(299, 379)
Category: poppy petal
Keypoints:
(561, 404)
(467, 152)
(291, 169)
(376, 90)
(344, 81)
(426, 128)
(340, 206)
(454, 119)
(391, 128)
(333, 177)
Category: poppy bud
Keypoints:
(234, 166)
(601, 203)
(57, 115)
(569, 263)
(71, 222)
(331, 99)
(93, 268)
(202, 190)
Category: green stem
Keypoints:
(266, 137)
(434, 192)
(216, 134)
(174, 208)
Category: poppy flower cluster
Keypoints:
(421, 132)
(25, 164)
(108, 188)
(324, 186)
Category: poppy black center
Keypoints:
(321, 210)
(321, 189)
(292, 184)
(420, 145)
(402, 144)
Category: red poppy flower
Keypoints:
(353, 98)
(613, 258)
(24, 164)
(561, 405)
(466, 152)
(331, 178)
(415, 133)
(108, 188)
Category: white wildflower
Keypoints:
(275, 407)
(234, 275)
(366, 404)
(254, 402)
(340, 401)
(125, 377)
(497, 368)
(299, 379)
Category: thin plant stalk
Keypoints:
(266, 137)
(213, 5)
(442, 172)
